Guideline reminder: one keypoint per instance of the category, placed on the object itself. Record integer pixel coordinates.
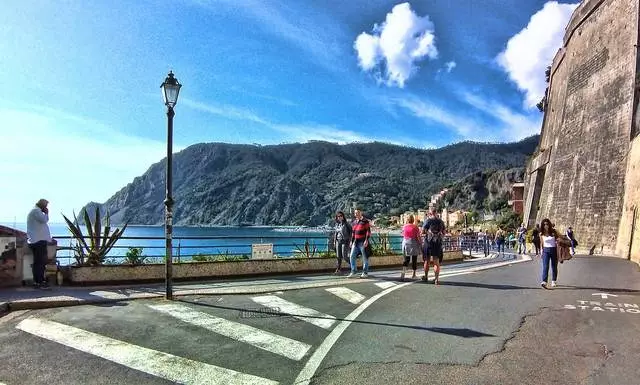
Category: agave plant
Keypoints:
(92, 248)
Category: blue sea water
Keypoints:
(190, 241)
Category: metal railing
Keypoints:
(212, 248)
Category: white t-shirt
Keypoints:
(548, 241)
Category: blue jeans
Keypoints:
(549, 254)
(358, 246)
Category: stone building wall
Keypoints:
(578, 176)
(629, 231)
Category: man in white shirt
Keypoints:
(38, 236)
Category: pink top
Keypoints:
(410, 231)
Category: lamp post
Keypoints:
(170, 90)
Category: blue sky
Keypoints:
(82, 113)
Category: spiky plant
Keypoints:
(92, 248)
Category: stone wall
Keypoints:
(629, 232)
(228, 269)
(581, 167)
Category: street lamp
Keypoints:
(170, 90)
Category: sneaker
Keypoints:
(413, 276)
(553, 284)
(364, 275)
(351, 275)
(543, 284)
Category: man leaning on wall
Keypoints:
(38, 236)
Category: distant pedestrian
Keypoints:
(38, 237)
(360, 234)
(342, 240)
(500, 240)
(549, 237)
(522, 240)
(433, 231)
(411, 244)
(482, 242)
(572, 238)
(536, 239)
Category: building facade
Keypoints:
(517, 198)
(585, 172)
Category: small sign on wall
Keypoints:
(262, 251)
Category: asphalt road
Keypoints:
(491, 327)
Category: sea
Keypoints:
(193, 241)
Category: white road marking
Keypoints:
(109, 295)
(10, 316)
(173, 368)
(302, 313)
(385, 285)
(347, 294)
(312, 365)
(270, 342)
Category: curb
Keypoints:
(7, 307)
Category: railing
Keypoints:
(212, 248)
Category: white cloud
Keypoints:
(513, 125)
(530, 51)
(395, 46)
(68, 159)
(293, 132)
(449, 66)
(505, 124)
(434, 114)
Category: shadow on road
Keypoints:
(486, 285)
(601, 289)
(262, 313)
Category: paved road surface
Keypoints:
(491, 327)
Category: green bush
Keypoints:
(134, 256)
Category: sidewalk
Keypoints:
(24, 298)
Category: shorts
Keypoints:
(433, 250)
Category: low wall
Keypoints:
(111, 274)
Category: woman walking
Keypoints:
(342, 238)
(536, 239)
(411, 245)
(549, 237)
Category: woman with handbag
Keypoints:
(342, 239)
(411, 245)
(549, 237)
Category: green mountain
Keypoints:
(303, 184)
(487, 190)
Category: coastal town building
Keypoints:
(586, 170)
(517, 198)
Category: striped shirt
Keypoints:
(361, 230)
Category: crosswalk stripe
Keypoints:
(173, 368)
(109, 294)
(270, 342)
(302, 313)
(347, 294)
(385, 285)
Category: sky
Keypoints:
(82, 113)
